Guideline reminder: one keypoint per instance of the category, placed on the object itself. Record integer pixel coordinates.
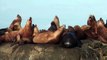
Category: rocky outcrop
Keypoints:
(90, 50)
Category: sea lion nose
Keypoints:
(67, 44)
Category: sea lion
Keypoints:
(9, 36)
(102, 31)
(79, 33)
(92, 23)
(47, 37)
(53, 27)
(16, 24)
(69, 38)
(92, 31)
(55, 24)
(25, 34)
(3, 30)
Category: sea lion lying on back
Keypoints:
(25, 34)
(47, 37)
(16, 24)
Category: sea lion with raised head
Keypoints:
(92, 23)
(25, 34)
(92, 31)
(16, 24)
(102, 31)
(55, 24)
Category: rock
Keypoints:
(90, 50)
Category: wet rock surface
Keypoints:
(90, 50)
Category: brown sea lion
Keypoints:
(47, 37)
(92, 23)
(25, 34)
(102, 31)
(16, 24)
(92, 31)
(9, 36)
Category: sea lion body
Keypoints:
(47, 37)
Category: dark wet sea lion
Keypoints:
(47, 37)
(3, 30)
(79, 33)
(16, 24)
(69, 38)
(55, 24)
(53, 27)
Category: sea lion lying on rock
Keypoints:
(102, 31)
(69, 38)
(79, 33)
(47, 37)
(9, 36)
(25, 34)
(16, 24)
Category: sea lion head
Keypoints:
(91, 20)
(53, 26)
(69, 40)
(29, 22)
